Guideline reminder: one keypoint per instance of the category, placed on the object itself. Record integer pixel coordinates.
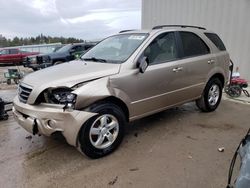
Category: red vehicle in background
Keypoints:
(13, 55)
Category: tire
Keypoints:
(16, 81)
(9, 81)
(234, 91)
(208, 103)
(34, 69)
(58, 62)
(93, 137)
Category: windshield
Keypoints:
(64, 48)
(115, 49)
(3, 52)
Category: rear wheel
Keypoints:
(211, 96)
(103, 133)
(58, 62)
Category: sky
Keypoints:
(85, 19)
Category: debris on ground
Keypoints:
(192, 138)
(136, 134)
(190, 157)
(28, 137)
(133, 169)
(221, 149)
(113, 181)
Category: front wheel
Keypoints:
(211, 96)
(103, 133)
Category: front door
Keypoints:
(159, 86)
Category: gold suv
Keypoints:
(123, 78)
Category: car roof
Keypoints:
(9, 48)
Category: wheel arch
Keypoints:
(220, 77)
(117, 102)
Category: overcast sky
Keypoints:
(86, 19)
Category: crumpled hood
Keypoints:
(67, 75)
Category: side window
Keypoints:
(216, 40)
(162, 49)
(78, 48)
(87, 47)
(13, 51)
(4, 52)
(193, 45)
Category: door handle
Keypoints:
(177, 69)
(211, 61)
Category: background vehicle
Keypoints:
(13, 55)
(123, 78)
(66, 53)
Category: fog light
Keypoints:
(51, 123)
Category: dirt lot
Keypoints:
(175, 148)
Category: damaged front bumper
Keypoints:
(46, 119)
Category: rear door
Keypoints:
(15, 56)
(198, 60)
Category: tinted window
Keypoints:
(216, 40)
(162, 49)
(193, 45)
(78, 48)
(88, 46)
(13, 51)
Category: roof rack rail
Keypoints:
(183, 26)
(123, 31)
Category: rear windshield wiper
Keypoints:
(95, 59)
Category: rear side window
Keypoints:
(216, 40)
(193, 45)
(13, 51)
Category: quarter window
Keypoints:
(193, 45)
(216, 40)
(162, 49)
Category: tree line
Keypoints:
(40, 39)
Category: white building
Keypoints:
(230, 19)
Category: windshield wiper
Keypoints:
(95, 59)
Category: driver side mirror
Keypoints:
(142, 64)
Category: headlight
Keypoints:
(60, 96)
(63, 98)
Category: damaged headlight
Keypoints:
(61, 96)
(64, 97)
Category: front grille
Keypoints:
(39, 59)
(24, 93)
(43, 59)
